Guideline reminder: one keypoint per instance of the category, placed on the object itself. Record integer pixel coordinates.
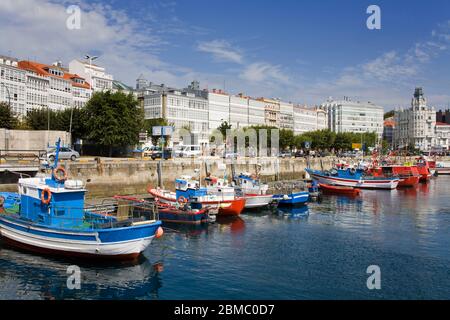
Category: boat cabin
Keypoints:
(50, 202)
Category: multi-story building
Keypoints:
(286, 120)
(354, 116)
(272, 111)
(238, 111)
(53, 86)
(13, 84)
(305, 119)
(183, 110)
(94, 74)
(442, 136)
(443, 116)
(256, 112)
(388, 130)
(322, 119)
(415, 127)
(218, 109)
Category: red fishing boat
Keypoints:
(330, 189)
(424, 169)
(189, 190)
(409, 175)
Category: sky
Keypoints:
(296, 50)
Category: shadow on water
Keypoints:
(29, 276)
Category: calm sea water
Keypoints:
(320, 252)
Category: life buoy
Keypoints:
(46, 196)
(182, 200)
(58, 177)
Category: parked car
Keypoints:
(299, 154)
(158, 154)
(231, 155)
(188, 151)
(65, 153)
(285, 154)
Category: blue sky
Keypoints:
(301, 51)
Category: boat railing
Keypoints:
(122, 213)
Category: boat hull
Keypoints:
(365, 184)
(257, 201)
(225, 207)
(406, 182)
(329, 189)
(178, 216)
(298, 198)
(100, 244)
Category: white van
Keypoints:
(188, 151)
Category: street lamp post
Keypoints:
(90, 58)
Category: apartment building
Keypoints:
(53, 86)
(94, 74)
(286, 119)
(13, 84)
(354, 116)
(415, 126)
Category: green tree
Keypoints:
(8, 119)
(286, 139)
(389, 114)
(224, 126)
(113, 119)
(343, 141)
(40, 119)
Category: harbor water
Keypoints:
(317, 252)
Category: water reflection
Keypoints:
(294, 212)
(286, 253)
(28, 276)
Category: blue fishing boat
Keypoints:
(352, 177)
(48, 215)
(292, 199)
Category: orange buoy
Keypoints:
(159, 233)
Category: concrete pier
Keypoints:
(106, 178)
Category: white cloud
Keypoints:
(36, 30)
(262, 71)
(221, 51)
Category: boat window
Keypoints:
(59, 212)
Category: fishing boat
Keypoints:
(443, 168)
(292, 199)
(250, 184)
(178, 213)
(424, 169)
(255, 200)
(48, 215)
(188, 190)
(352, 177)
(409, 175)
(343, 190)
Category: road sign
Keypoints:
(157, 131)
(307, 144)
(167, 131)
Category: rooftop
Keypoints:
(43, 69)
